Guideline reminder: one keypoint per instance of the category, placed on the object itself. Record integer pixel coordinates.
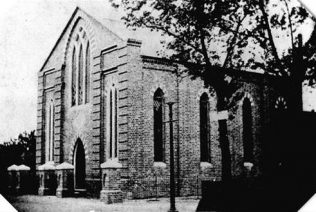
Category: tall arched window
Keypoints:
(112, 112)
(158, 125)
(50, 132)
(80, 77)
(87, 75)
(247, 130)
(204, 128)
(74, 78)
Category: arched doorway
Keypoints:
(80, 165)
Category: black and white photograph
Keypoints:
(158, 105)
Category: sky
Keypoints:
(28, 32)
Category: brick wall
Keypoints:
(152, 74)
(137, 77)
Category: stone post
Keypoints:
(65, 183)
(247, 169)
(12, 178)
(206, 171)
(47, 178)
(206, 175)
(111, 192)
(22, 174)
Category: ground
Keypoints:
(35, 203)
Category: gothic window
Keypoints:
(50, 132)
(80, 77)
(204, 128)
(112, 113)
(280, 104)
(74, 78)
(158, 125)
(87, 75)
(80, 82)
(247, 130)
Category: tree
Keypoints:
(211, 36)
(309, 57)
(18, 151)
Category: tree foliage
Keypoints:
(214, 37)
(309, 54)
(211, 35)
(19, 151)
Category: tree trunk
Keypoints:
(224, 142)
(298, 71)
(224, 145)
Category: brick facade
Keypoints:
(119, 62)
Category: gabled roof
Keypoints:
(60, 37)
(150, 39)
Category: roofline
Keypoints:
(231, 72)
(65, 29)
(101, 24)
(59, 38)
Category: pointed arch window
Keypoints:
(87, 75)
(280, 104)
(80, 77)
(247, 130)
(204, 128)
(50, 132)
(74, 77)
(158, 125)
(112, 125)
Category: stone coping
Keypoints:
(248, 165)
(111, 163)
(23, 168)
(50, 165)
(206, 165)
(64, 166)
(160, 165)
(12, 167)
(18, 168)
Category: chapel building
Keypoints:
(102, 99)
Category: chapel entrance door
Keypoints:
(79, 165)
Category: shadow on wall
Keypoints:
(289, 174)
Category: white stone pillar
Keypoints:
(111, 178)
(47, 179)
(23, 173)
(12, 178)
(65, 177)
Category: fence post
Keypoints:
(23, 173)
(65, 185)
(111, 180)
(47, 179)
(12, 172)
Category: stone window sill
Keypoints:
(111, 163)
(205, 165)
(160, 165)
